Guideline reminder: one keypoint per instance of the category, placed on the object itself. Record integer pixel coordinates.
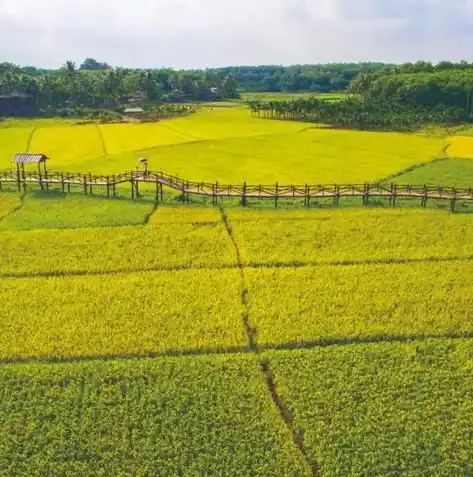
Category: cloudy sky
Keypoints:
(207, 33)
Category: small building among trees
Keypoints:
(18, 105)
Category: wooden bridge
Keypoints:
(108, 184)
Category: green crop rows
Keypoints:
(383, 409)
(182, 416)
(178, 340)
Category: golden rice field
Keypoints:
(227, 145)
(172, 339)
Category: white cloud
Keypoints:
(199, 33)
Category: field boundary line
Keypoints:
(268, 374)
(102, 139)
(203, 140)
(235, 350)
(14, 211)
(30, 139)
(414, 167)
(228, 266)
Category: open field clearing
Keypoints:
(101, 250)
(288, 237)
(382, 409)
(180, 416)
(123, 315)
(362, 302)
(66, 145)
(55, 210)
(12, 141)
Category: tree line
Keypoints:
(428, 89)
(106, 87)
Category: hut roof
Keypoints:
(29, 158)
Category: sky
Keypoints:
(211, 33)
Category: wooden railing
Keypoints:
(108, 183)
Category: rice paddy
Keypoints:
(166, 339)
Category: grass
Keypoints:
(382, 409)
(182, 416)
(129, 314)
(42, 210)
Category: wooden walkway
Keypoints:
(89, 183)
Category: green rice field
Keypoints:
(171, 339)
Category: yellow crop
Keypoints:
(66, 145)
(108, 249)
(12, 141)
(318, 236)
(461, 146)
(230, 146)
(132, 314)
(337, 303)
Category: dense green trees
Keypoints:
(451, 87)
(316, 78)
(359, 113)
(96, 85)
(391, 97)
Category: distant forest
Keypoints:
(405, 97)
(97, 85)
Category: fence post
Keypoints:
(132, 187)
(108, 186)
(157, 190)
(63, 188)
(276, 195)
(90, 183)
(454, 200)
(85, 185)
(68, 182)
(425, 197)
(243, 197)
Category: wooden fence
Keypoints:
(89, 183)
